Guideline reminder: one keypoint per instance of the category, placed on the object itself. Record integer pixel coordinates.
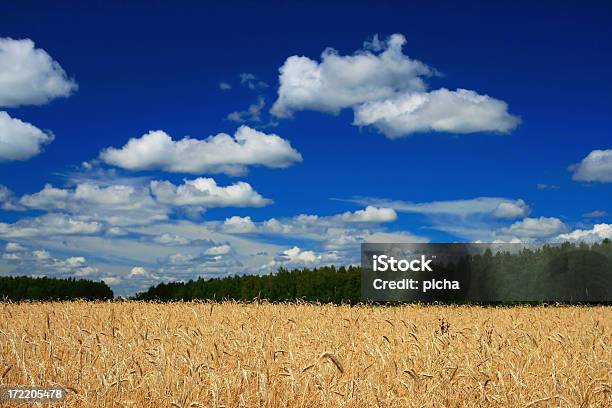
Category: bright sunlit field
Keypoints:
(132, 354)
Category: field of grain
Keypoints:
(130, 354)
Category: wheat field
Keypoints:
(132, 354)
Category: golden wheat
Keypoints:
(132, 354)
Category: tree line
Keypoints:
(19, 288)
(326, 284)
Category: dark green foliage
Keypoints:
(326, 284)
(17, 288)
(566, 273)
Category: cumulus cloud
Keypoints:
(206, 193)
(138, 272)
(442, 110)
(181, 266)
(238, 225)
(41, 262)
(224, 86)
(250, 81)
(48, 225)
(252, 114)
(41, 254)
(171, 239)
(20, 140)
(296, 257)
(536, 227)
(116, 232)
(370, 214)
(386, 90)
(598, 233)
(310, 225)
(8, 201)
(112, 280)
(339, 82)
(494, 206)
(29, 76)
(479, 218)
(5, 194)
(596, 166)
(14, 247)
(114, 204)
(509, 209)
(217, 154)
(219, 250)
(340, 233)
(136, 202)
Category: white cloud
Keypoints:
(250, 81)
(181, 266)
(170, 239)
(480, 218)
(339, 82)
(11, 256)
(217, 154)
(385, 88)
(116, 232)
(595, 214)
(310, 225)
(5, 194)
(114, 204)
(536, 227)
(41, 262)
(238, 225)
(509, 209)
(598, 233)
(206, 193)
(47, 225)
(140, 272)
(493, 206)
(20, 140)
(224, 86)
(370, 214)
(112, 280)
(252, 114)
(296, 257)
(29, 76)
(219, 250)
(14, 247)
(375, 44)
(136, 202)
(442, 110)
(41, 254)
(341, 232)
(8, 201)
(597, 166)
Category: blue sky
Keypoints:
(454, 122)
